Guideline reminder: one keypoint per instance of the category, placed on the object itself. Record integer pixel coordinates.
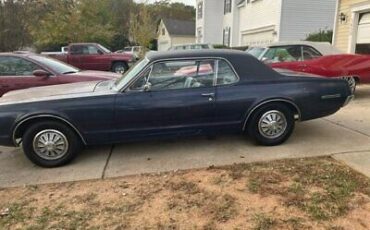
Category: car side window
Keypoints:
(15, 66)
(170, 75)
(139, 84)
(90, 49)
(310, 53)
(76, 50)
(283, 54)
(225, 74)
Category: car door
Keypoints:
(17, 73)
(231, 105)
(171, 98)
(92, 58)
(75, 54)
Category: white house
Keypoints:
(175, 32)
(259, 22)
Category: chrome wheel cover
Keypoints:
(272, 124)
(50, 144)
(351, 82)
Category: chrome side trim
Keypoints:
(45, 116)
(331, 96)
(269, 101)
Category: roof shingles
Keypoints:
(179, 27)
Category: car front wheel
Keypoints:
(271, 124)
(119, 67)
(51, 144)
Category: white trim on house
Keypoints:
(336, 19)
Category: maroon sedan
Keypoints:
(25, 70)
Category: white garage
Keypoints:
(363, 34)
(258, 36)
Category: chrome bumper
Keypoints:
(348, 100)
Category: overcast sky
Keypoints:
(187, 2)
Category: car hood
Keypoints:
(103, 75)
(54, 92)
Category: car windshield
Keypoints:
(127, 49)
(129, 75)
(256, 51)
(55, 65)
(105, 50)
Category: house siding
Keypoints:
(344, 30)
(164, 41)
(299, 18)
(211, 22)
(179, 40)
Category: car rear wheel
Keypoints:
(51, 144)
(352, 83)
(271, 124)
(119, 67)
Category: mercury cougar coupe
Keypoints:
(160, 97)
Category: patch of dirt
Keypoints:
(314, 193)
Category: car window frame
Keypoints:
(285, 47)
(150, 65)
(311, 47)
(40, 67)
(164, 90)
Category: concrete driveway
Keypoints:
(345, 135)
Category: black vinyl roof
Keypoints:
(246, 66)
(179, 27)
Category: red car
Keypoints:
(25, 70)
(354, 68)
(93, 56)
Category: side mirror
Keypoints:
(40, 73)
(147, 87)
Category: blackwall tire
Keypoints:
(51, 144)
(271, 124)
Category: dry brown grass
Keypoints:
(316, 193)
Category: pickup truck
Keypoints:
(93, 56)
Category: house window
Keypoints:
(163, 31)
(200, 10)
(226, 36)
(227, 6)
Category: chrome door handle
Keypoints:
(208, 94)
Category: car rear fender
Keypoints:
(289, 103)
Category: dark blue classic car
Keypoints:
(165, 95)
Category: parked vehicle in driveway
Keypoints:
(93, 56)
(353, 68)
(137, 51)
(165, 95)
(292, 51)
(25, 70)
(63, 50)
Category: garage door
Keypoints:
(257, 39)
(363, 34)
